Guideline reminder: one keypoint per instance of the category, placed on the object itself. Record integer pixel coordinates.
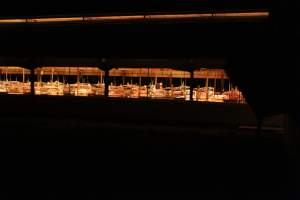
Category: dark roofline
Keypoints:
(128, 7)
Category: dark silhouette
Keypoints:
(157, 145)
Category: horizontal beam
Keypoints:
(186, 64)
(120, 72)
(130, 18)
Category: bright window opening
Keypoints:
(200, 84)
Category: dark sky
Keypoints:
(31, 8)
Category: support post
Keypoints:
(106, 82)
(78, 75)
(222, 83)
(140, 83)
(192, 80)
(52, 72)
(23, 75)
(206, 84)
(215, 82)
(6, 74)
(32, 92)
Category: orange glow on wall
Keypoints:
(49, 20)
(10, 21)
(115, 18)
(250, 14)
(137, 17)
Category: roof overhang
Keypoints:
(114, 62)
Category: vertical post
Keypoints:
(171, 85)
(52, 72)
(192, 84)
(78, 75)
(32, 92)
(41, 75)
(23, 75)
(206, 84)
(78, 81)
(106, 82)
(68, 80)
(222, 83)
(140, 82)
(215, 82)
(6, 74)
(148, 77)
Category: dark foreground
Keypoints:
(80, 158)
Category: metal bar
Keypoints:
(106, 82)
(153, 17)
(192, 80)
(32, 92)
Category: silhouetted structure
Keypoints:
(259, 54)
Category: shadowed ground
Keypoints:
(123, 149)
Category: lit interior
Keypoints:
(209, 85)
